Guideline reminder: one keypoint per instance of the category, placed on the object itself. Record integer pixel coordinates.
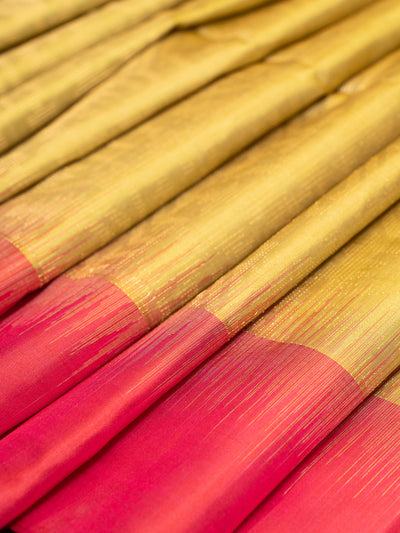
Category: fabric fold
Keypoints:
(167, 72)
(113, 396)
(22, 19)
(55, 226)
(36, 102)
(169, 258)
(214, 348)
(249, 415)
(199, 266)
(205, 10)
(47, 50)
(355, 473)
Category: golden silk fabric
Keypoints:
(260, 97)
(206, 194)
(21, 19)
(166, 72)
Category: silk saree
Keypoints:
(200, 266)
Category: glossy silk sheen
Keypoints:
(235, 435)
(199, 266)
(355, 472)
(160, 76)
(49, 223)
(163, 270)
(165, 356)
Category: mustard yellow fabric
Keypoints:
(21, 19)
(64, 227)
(47, 50)
(167, 259)
(294, 252)
(35, 102)
(166, 72)
(204, 10)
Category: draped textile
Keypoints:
(199, 265)
(177, 66)
(356, 471)
(163, 270)
(259, 99)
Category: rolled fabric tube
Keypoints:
(92, 313)
(54, 225)
(167, 72)
(246, 418)
(113, 396)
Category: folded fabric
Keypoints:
(247, 417)
(166, 72)
(215, 346)
(107, 302)
(21, 19)
(213, 9)
(23, 62)
(350, 482)
(37, 101)
(84, 206)
(112, 397)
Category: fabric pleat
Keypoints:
(54, 225)
(25, 61)
(199, 266)
(203, 10)
(166, 72)
(21, 19)
(223, 310)
(155, 266)
(246, 418)
(355, 472)
(36, 102)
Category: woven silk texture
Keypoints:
(200, 266)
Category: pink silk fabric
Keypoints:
(206, 455)
(349, 483)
